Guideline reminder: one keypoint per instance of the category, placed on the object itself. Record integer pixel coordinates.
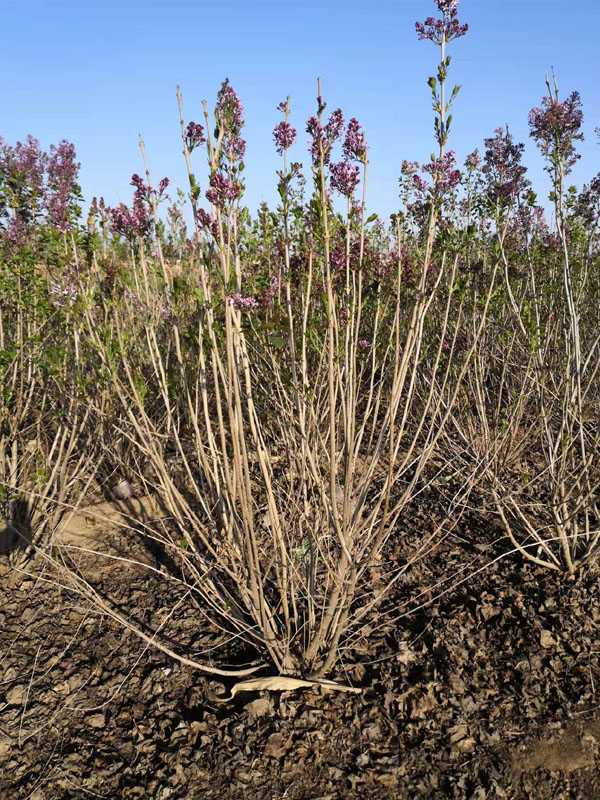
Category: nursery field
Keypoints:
(298, 501)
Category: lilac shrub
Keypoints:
(62, 176)
(36, 188)
(302, 367)
(556, 126)
(502, 168)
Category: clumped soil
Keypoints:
(491, 691)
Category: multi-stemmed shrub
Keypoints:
(535, 386)
(288, 384)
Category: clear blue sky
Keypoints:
(97, 73)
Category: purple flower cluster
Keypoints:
(502, 168)
(337, 260)
(344, 178)
(324, 136)
(162, 185)
(137, 221)
(222, 190)
(22, 188)
(267, 296)
(445, 29)
(355, 143)
(531, 220)
(229, 108)
(143, 192)
(33, 181)
(284, 135)
(335, 126)
(207, 223)
(131, 223)
(444, 174)
(229, 113)
(62, 176)
(473, 160)
(555, 126)
(194, 135)
(241, 303)
(409, 168)
(23, 166)
(588, 202)
(419, 185)
(364, 344)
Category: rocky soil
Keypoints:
(491, 691)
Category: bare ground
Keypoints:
(492, 691)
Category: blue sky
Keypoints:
(99, 73)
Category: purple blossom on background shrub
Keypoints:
(14, 232)
(23, 166)
(284, 135)
(337, 260)
(409, 168)
(446, 6)
(335, 126)
(295, 168)
(267, 295)
(162, 185)
(62, 177)
(502, 168)
(229, 113)
(194, 135)
(473, 160)
(364, 344)
(445, 29)
(420, 185)
(144, 192)
(130, 223)
(326, 135)
(135, 222)
(229, 109)
(22, 189)
(588, 202)
(444, 173)
(207, 223)
(204, 218)
(139, 184)
(344, 178)
(241, 303)
(355, 143)
(221, 190)
(555, 126)
(531, 220)
(315, 131)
